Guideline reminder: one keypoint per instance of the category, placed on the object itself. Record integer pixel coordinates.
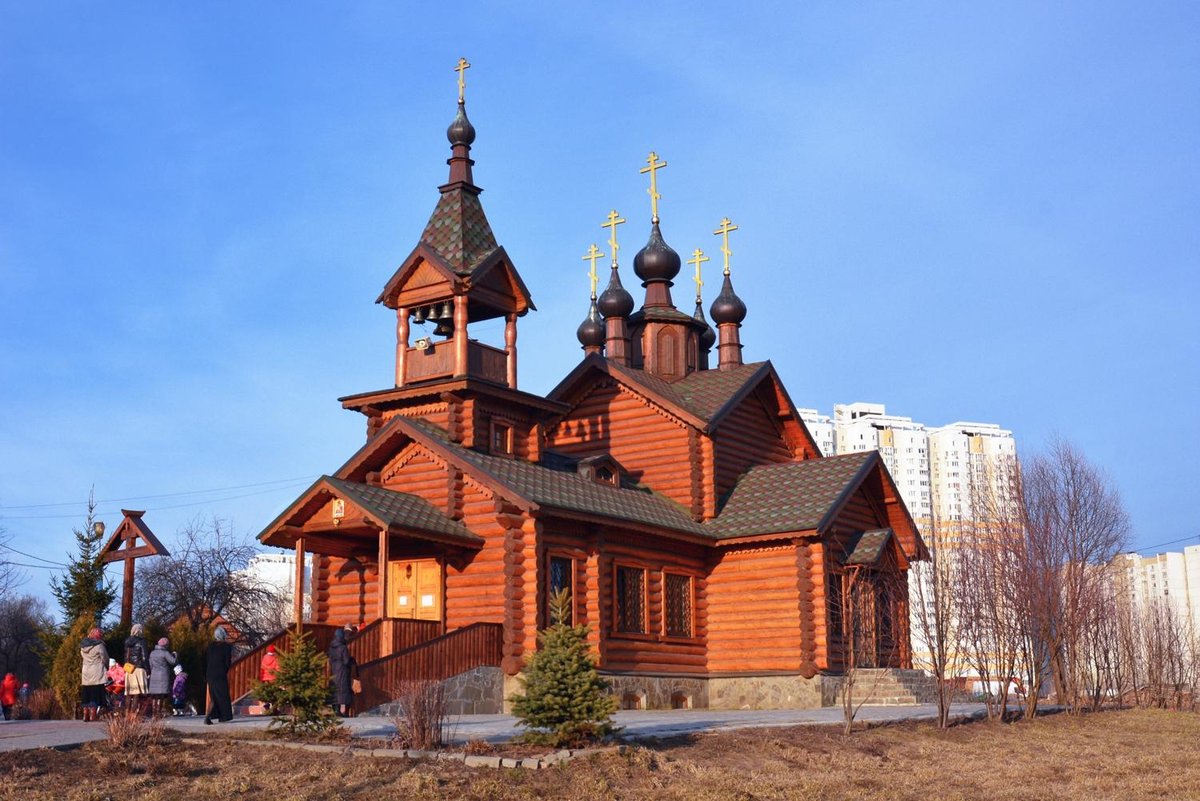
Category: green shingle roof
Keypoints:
(869, 546)
(459, 232)
(402, 509)
(788, 497)
(702, 393)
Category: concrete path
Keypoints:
(23, 735)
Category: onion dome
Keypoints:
(591, 331)
(615, 301)
(728, 307)
(461, 131)
(708, 337)
(656, 261)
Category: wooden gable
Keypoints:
(132, 539)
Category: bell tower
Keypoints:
(457, 275)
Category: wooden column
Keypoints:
(401, 344)
(510, 347)
(460, 335)
(298, 586)
(127, 595)
(381, 606)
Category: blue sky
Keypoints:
(965, 211)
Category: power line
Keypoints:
(31, 556)
(1170, 542)
(154, 497)
(169, 506)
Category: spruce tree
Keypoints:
(300, 686)
(83, 588)
(565, 701)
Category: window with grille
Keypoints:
(560, 579)
(834, 593)
(679, 605)
(631, 600)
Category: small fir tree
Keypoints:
(300, 686)
(565, 701)
(67, 666)
(83, 588)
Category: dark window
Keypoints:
(560, 579)
(631, 600)
(501, 439)
(834, 592)
(679, 605)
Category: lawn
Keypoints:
(1130, 755)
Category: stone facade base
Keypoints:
(639, 691)
(476, 692)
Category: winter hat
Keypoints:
(112, 662)
(270, 649)
(136, 630)
(163, 641)
(178, 669)
(94, 634)
(220, 635)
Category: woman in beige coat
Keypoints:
(95, 670)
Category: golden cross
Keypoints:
(593, 255)
(461, 69)
(723, 232)
(653, 165)
(697, 259)
(614, 220)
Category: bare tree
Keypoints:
(936, 590)
(24, 621)
(202, 581)
(871, 605)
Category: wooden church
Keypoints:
(670, 486)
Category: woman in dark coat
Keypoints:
(341, 665)
(217, 659)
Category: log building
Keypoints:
(669, 486)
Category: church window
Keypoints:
(561, 570)
(502, 440)
(679, 605)
(631, 600)
(833, 583)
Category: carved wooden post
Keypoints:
(460, 335)
(510, 347)
(401, 344)
(381, 605)
(132, 540)
(298, 585)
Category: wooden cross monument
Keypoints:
(133, 539)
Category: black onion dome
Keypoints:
(708, 337)
(461, 131)
(591, 330)
(657, 261)
(728, 307)
(615, 301)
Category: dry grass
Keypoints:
(1133, 755)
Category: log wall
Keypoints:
(652, 447)
(754, 610)
(748, 436)
(344, 592)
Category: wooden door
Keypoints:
(415, 589)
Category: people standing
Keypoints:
(267, 669)
(94, 656)
(8, 695)
(217, 659)
(161, 663)
(137, 666)
(115, 684)
(341, 666)
(179, 691)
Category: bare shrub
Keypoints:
(43, 705)
(419, 714)
(128, 729)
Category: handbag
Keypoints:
(355, 686)
(130, 667)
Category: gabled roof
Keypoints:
(866, 548)
(386, 508)
(792, 497)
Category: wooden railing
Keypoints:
(407, 633)
(244, 671)
(458, 651)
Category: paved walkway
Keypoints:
(24, 735)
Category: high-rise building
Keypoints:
(903, 444)
(1172, 577)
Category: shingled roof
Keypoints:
(401, 509)
(868, 547)
(796, 496)
(459, 232)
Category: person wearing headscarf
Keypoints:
(95, 659)
(341, 665)
(217, 659)
(137, 656)
(161, 662)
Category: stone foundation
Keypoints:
(723, 692)
(476, 692)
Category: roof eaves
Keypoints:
(848, 490)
